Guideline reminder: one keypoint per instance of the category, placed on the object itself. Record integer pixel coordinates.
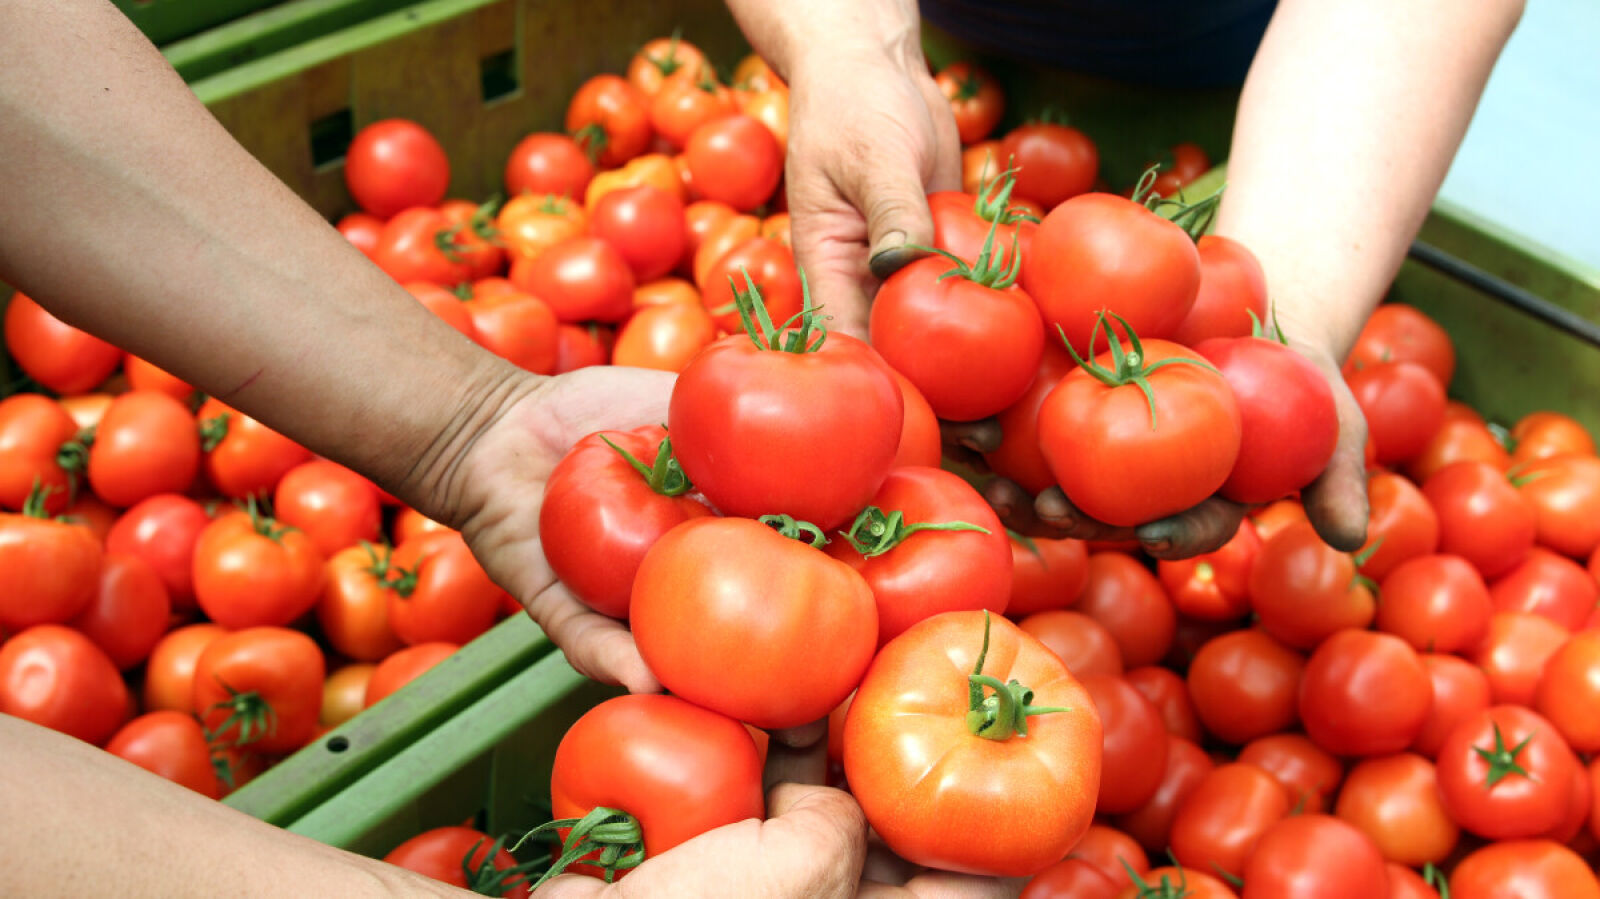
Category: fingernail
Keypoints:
(1156, 536)
(894, 256)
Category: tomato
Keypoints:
(404, 666)
(1112, 852)
(1214, 586)
(408, 523)
(128, 614)
(344, 693)
(1244, 684)
(1046, 574)
(1218, 826)
(1122, 594)
(582, 279)
(1546, 435)
(1232, 288)
(610, 119)
(462, 857)
(1288, 423)
(1135, 751)
(143, 375)
(169, 672)
(920, 440)
(86, 409)
(1401, 524)
(711, 588)
(653, 169)
(962, 222)
(580, 346)
(1170, 880)
(645, 224)
(971, 343)
(1151, 823)
(1310, 773)
(1505, 773)
(1169, 693)
(472, 238)
(395, 164)
(1569, 690)
(770, 108)
(1070, 878)
(1578, 805)
(1436, 603)
(56, 677)
(171, 744)
(770, 266)
(332, 505)
(600, 514)
(54, 353)
(1395, 801)
(1594, 798)
(1083, 644)
(438, 591)
(975, 98)
(1526, 869)
(353, 609)
(244, 457)
(750, 423)
(735, 159)
(260, 686)
(980, 164)
(420, 244)
(1514, 652)
(1054, 163)
(162, 530)
(754, 73)
(249, 571)
(1403, 404)
(529, 224)
(1274, 517)
(1550, 585)
(1565, 494)
(676, 769)
(1399, 333)
(361, 229)
(685, 103)
(548, 163)
(1455, 440)
(912, 706)
(1460, 690)
(519, 328)
(719, 238)
(1188, 162)
(658, 61)
(49, 570)
(665, 336)
(1404, 883)
(146, 444)
(1303, 590)
(1364, 693)
(1126, 457)
(1314, 857)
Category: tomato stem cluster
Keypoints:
(1502, 761)
(1127, 366)
(213, 431)
(485, 879)
(388, 575)
(1004, 713)
(786, 337)
(794, 529)
(989, 269)
(994, 198)
(875, 532)
(615, 833)
(249, 710)
(666, 476)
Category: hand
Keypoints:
(870, 136)
(1336, 502)
(812, 844)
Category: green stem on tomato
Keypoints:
(666, 476)
(794, 529)
(1127, 366)
(875, 532)
(616, 834)
(1004, 713)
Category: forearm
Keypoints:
(131, 213)
(1347, 124)
(786, 34)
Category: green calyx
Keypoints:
(388, 575)
(1361, 558)
(1127, 366)
(1257, 330)
(1004, 713)
(263, 523)
(1194, 218)
(803, 332)
(249, 711)
(666, 476)
(444, 240)
(994, 198)
(33, 506)
(990, 269)
(875, 532)
(592, 138)
(794, 529)
(668, 62)
(616, 834)
(73, 457)
(1027, 543)
(485, 879)
(1502, 761)
(214, 430)
(1432, 876)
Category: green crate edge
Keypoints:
(278, 27)
(163, 21)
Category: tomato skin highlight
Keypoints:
(56, 677)
(395, 164)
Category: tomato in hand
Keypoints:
(1395, 801)
(949, 689)
(244, 457)
(1314, 857)
(1304, 590)
(1245, 685)
(463, 857)
(1218, 826)
(56, 677)
(146, 444)
(736, 160)
(548, 163)
(1046, 574)
(249, 571)
(1505, 773)
(54, 353)
(1310, 773)
(129, 612)
(395, 164)
(610, 119)
(171, 744)
(261, 687)
(33, 429)
(975, 98)
(1054, 163)
(162, 531)
(1436, 603)
(1232, 289)
(1214, 586)
(49, 569)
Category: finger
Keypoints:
(824, 834)
(946, 173)
(891, 197)
(597, 647)
(1336, 502)
(1015, 507)
(1054, 510)
(795, 765)
(981, 436)
(1203, 529)
(829, 237)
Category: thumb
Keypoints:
(896, 210)
(1336, 502)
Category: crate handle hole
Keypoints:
(330, 137)
(338, 744)
(498, 75)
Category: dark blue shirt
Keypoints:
(1194, 43)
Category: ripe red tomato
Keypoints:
(704, 594)
(962, 222)
(1395, 801)
(421, 244)
(529, 224)
(1405, 883)
(1458, 438)
(1565, 494)
(1403, 404)
(129, 612)
(548, 163)
(334, 507)
(361, 229)
(1546, 434)
(244, 457)
(462, 857)
(1070, 877)
(665, 336)
(56, 677)
(1401, 524)
(250, 572)
(33, 428)
(395, 164)
(1436, 603)
(162, 530)
(1310, 773)
(439, 593)
(1112, 852)
(1232, 287)
(1288, 423)
(920, 440)
(1550, 585)
(519, 328)
(1151, 824)
(1127, 457)
(1481, 516)
(1214, 586)
(1514, 652)
(1569, 691)
(404, 666)
(146, 444)
(736, 160)
(686, 102)
(719, 235)
(1244, 684)
(677, 769)
(771, 268)
(171, 744)
(1122, 594)
(1460, 690)
(582, 279)
(913, 705)
(1364, 693)
(1505, 774)
(169, 672)
(660, 59)
(1135, 753)
(610, 119)
(1054, 163)
(143, 375)
(54, 353)
(1526, 869)
(1303, 590)
(645, 224)
(1100, 251)
(1399, 333)
(1218, 826)
(1083, 644)
(49, 570)
(354, 607)
(1019, 457)
(975, 98)
(1046, 574)
(1176, 880)
(260, 686)
(1315, 857)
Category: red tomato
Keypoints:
(1274, 517)
(962, 223)
(1151, 824)
(1482, 518)
(1505, 773)
(1244, 684)
(169, 673)
(975, 98)
(916, 563)
(1525, 869)
(1399, 333)
(687, 102)
(1019, 456)
(1545, 435)
(146, 444)
(1123, 595)
(529, 224)
(735, 160)
(1514, 652)
(580, 346)
(1232, 287)
(1218, 826)
(1405, 883)
(1401, 524)
(260, 686)
(1364, 693)
(771, 108)
(720, 236)
(420, 244)
(1083, 644)
(171, 744)
(1403, 404)
(645, 224)
(250, 572)
(920, 440)
(676, 769)
(361, 229)
(162, 531)
(404, 666)
(49, 570)
(1310, 773)
(1072, 878)
(582, 279)
(332, 505)
(472, 238)
(409, 522)
(439, 593)
(913, 705)
(610, 119)
(1054, 163)
(56, 677)
(33, 429)
(1457, 439)
(1395, 801)
(395, 164)
(129, 612)
(1565, 494)
(1549, 585)
(600, 514)
(1112, 852)
(1135, 753)
(143, 375)
(243, 456)
(1314, 857)
(519, 328)
(1168, 692)
(1436, 603)
(1304, 590)
(462, 857)
(771, 268)
(1214, 586)
(704, 594)
(1046, 574)
(1569, 691)
(1288, 423)
(659, 59)
(547, 163)
(354, 607)
(54, 353)
(1460, 690)
(1170, 880)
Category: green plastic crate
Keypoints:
(168, 20)
(277, 27)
